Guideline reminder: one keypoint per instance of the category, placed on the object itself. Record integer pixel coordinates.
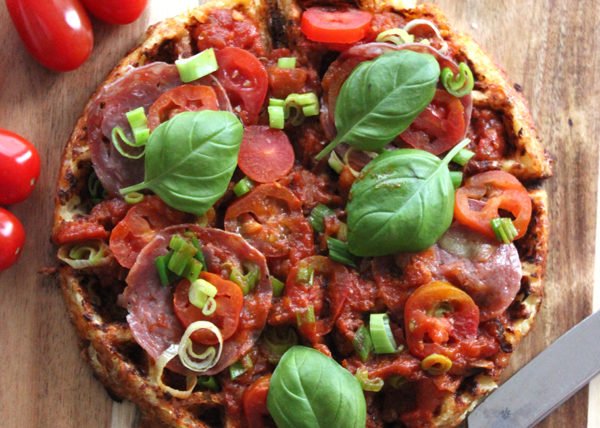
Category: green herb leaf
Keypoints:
(190, 159)
(381, 98)
(403, 201)
(309, 390)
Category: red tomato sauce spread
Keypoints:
(448, 300)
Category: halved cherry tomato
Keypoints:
(265, 154)
(12, 239)
(439, 127)
(57, 33)
(142, 222)
(230, 301)
(315, 281)
(19, 168)
(335, 26)
(116, 11)
(246, 81)
(438, 319)
(485, 195)
(254, 401)
(270, 218)
(180, 99)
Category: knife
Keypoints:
(546, 382)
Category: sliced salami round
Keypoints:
(488, 271)
(151, 314)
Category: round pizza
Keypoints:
(297, 214)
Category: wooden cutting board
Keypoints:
(550, 48)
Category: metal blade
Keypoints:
(545, 382)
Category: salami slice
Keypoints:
(151, 315)
(488, 271)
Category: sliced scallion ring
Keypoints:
(318, 215)
(397, 36)
(362, 343)
(243, 186)
(276, 117)
(278, 286)
(82, 256)
(456, 177)
(206, 360)
(197, 66)
(460, 84)
(139, 125)
(372, 385)
(156, 372)
(133, 198)
(338, 252)
(463, 157)
(381, 334)
(286, 62)
(335, 162)
(504, 229)
(117, 135)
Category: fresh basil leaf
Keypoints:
(403, 201)
(190, 159)
(309, 390)
(381, 98)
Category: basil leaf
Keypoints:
(190, 159)
(309, 390)
(381, 98)
(403, 201)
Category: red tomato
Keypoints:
(270, 218)
(485, 195)
(180, 99)
(142, 222)
(19, 168)
(439, 318)
(12, 239)
(230, 301)
(116, 11)
(57, 33)
(265, 154)
(335, 26)
(439, 127)
(254, 401)
(246, 81)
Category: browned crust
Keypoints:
(101, 341)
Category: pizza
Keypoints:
(303, 214)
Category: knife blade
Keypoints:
(545, 382)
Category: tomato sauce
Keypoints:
(487, 134)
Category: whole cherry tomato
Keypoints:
(116, 11)
(19, 167)
(58, 33)
(12, 238)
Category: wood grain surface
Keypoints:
(550, 47)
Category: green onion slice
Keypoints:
(362, 343)
(133, 198)
(306, 316)
(286, 62)
(456, 177)
(463, 157)
(381, 334)
(335, 162)
(276, 102)
(95, 188)
(193, 270)
(181, 258)
(276, 117)
(306, 275)
(372, 385)
(161, 263)
(201, 292)
(208, 382)
(246, 281)
(504, 229)
(139, 125)
(460, 84)
(82, 256)
(278, 287)
(240, 367)
(397, 36)
(338, 252)
(318, 215)
(243, 186)
(117, 135)
(197, 66)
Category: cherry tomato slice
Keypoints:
(485, 195)
(439, 127)
(57, 33)
(335, 26)
(19, 168)
(245, 80)
(116, 11)
(265, 154)
(230, 301)
(12, 239)
(180, 99)
(254, 402)
(142, 222)
(438, 319)
(270, 218)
